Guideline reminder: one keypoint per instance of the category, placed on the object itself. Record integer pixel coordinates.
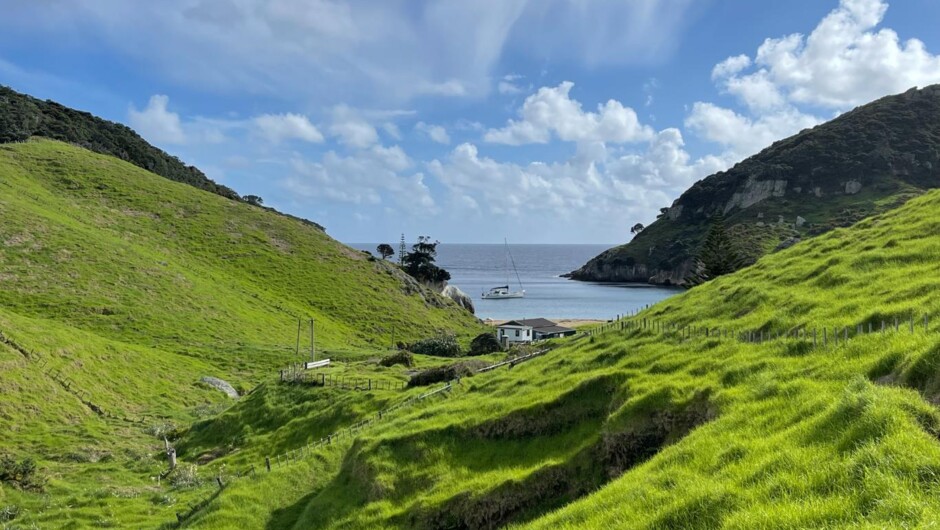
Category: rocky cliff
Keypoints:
(864, 162)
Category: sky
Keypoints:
(471, 121)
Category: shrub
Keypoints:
(403, 358)
(443, 346)
(485, 343)
(21, 475)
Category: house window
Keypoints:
(528, 332)
(517, 332)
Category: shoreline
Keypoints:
(564, 322)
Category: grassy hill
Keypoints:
(862, 163)
(655, 426)
(120, 290)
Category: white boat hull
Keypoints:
(502, 296)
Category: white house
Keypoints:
(516, 331)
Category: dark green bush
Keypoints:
(485, 343)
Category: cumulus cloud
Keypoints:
(156, 123)
(845, 61)
(352, 129)
(377, 175)
(277, 128)
(551, 110)
(592, 185)
(434, 132)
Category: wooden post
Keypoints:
(171, 456)
(825, 337)
(313, 351)
(267, 463)
(882, 326)
(219, 481)
(896, 325)
(297, 349)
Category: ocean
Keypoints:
(475, 268)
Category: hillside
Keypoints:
(862, 163)
(121, 290)
(651, 422)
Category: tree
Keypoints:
(718, 255)
(419, 263)
(637, 228)
(385, 250)
(253, 200)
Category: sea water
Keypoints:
(475, 268)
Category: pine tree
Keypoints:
(718, 255)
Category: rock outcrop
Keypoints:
(860, 164)
(462, 299)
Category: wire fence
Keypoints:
(817, 336)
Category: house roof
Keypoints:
(553, 329)
(542, 325)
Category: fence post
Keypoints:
(267, 463)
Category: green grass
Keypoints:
(782, 435)
(133, 287)
(624, 429)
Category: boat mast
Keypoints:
(509, 254)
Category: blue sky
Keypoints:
(541, 121)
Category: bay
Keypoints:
(475, 268)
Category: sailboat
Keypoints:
(502, 291)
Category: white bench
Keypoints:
(316, 364)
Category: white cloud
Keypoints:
(331, 51)
(434, 132)
(551, 110)
(277, 128)
(844, 62)
(352, 129)
(730, 66)
(744, 135)
(156, 123)
(507, 85)
(592, 186)
(371, 176)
